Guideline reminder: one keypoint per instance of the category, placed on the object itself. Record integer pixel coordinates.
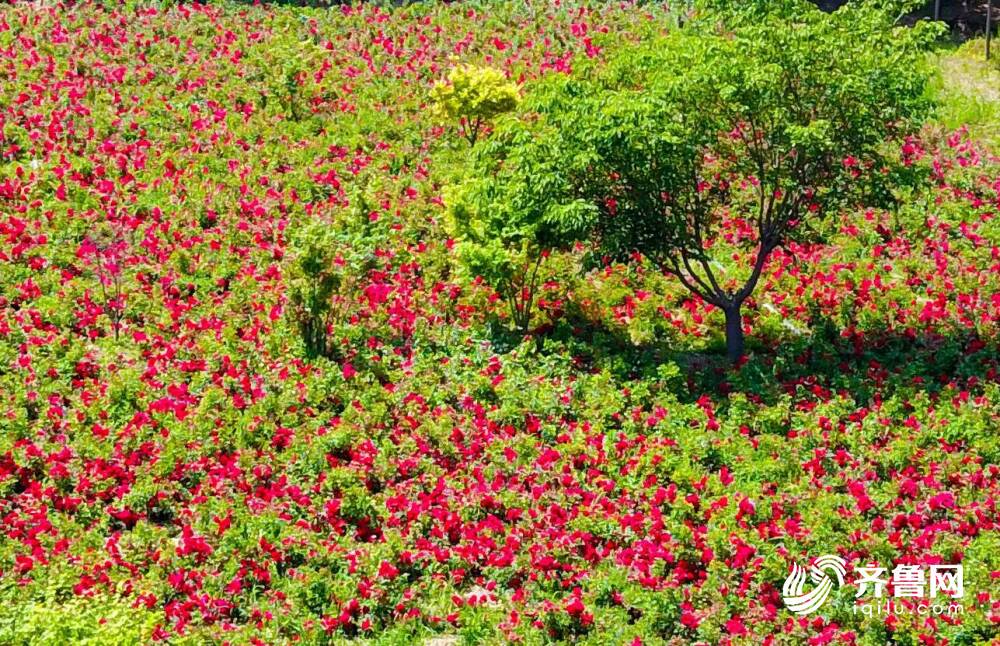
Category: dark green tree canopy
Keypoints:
(771, 121)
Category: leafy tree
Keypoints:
(706, 149)
(506, 227)
(474, 96)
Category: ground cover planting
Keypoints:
(261, 382)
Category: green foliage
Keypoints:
(474, 96)
(47, 612)
(772, 123)
(287, 72)
(328, 261)
(967, 90)
(506, 217)
(751, 11)
(764, 122)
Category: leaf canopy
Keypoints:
(773, 120)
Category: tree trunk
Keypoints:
(734, 332)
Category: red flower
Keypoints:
(387, 570)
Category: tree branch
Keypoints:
(698, 279)
(766, 247)
(675, 270)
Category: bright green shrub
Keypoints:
(506, 231)
(474, 96)
(49, 613)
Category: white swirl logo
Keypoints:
(803, 604)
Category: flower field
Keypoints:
(187, 456)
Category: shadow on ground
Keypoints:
(862, 366)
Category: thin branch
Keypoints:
(530, 296)
(699, 211)
(698, 279)
(675, 270)
(758, 267)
